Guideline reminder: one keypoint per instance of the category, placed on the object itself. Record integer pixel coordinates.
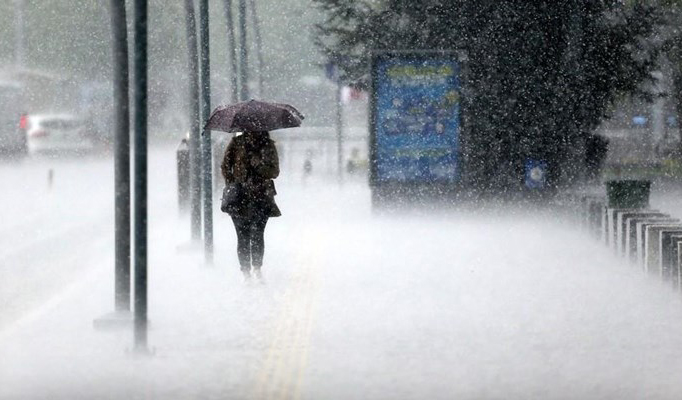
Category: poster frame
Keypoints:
(384, 189)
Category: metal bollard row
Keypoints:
(646, 238)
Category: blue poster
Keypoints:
(417, 120)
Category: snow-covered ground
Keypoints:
(498, 305)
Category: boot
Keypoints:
(247, 275)
(259, 275)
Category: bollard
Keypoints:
(611, 224)
(640, 228)
(621, 220)
(630, 233)
(624, 195)
(603, 224)
(593, 214)
(597, 218)
(584, 212)
(50, 178)
(652, 246)
(182, 156)
(669, 242)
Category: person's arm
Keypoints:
(228, 163)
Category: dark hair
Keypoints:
(258, 136)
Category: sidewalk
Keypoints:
(361, 307)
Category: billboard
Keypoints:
(415, 117)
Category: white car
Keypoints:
(57, 134)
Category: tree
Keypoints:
(542, 73)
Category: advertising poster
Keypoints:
(416, 119)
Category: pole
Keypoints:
(195, 130)
(243, 54)
(121, 156)
(19, 50)
(259, 46)
(140, 116)
(339, 130)
(232, 50)
(206, 137)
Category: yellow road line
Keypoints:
(284, 365)
(268, 374)
(303, 355)
(283, 370)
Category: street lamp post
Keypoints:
(121, 156)
(243, 54)
(19, 48)
(120, 77)
(232, 50)
(339, 130)
(140, 118)
(194, 131)
(259, 45)
(206, 137)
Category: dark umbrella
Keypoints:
(253, 115)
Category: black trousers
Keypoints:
(250, 241)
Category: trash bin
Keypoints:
(628, 193)
(182, 156)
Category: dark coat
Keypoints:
(251, 160)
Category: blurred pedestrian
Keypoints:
(353, 164)
(307, 166)
(251, 161)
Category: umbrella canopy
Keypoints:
(253, 115)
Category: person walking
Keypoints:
(251, 161)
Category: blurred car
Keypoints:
(58, 134)
(12, 136)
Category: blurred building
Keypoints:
(643, 131)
